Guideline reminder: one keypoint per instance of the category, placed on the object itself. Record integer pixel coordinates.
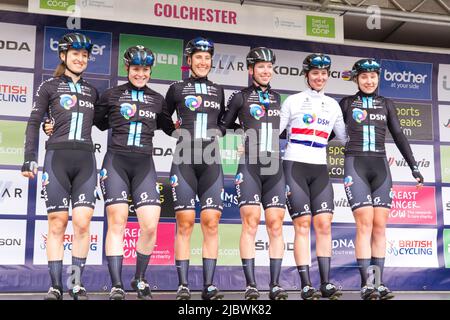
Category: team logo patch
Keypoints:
(45, 180)
(359, 115)
(309, 118)
(239, 178)
(67, 101)
(174, 180)
(257, 111)
(127, 110)
(348, 181)
(192, 102)
(103, 174)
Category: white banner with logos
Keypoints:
(17, 45)
(95, 247)
(446, 205)
(229, 65)
(342, 211)
(444, 122)
(13, 193)
(424, 155)
(12, 242)
(16, 93)
(262, 246)
(210, 15)
(444, 82)
(411, 248)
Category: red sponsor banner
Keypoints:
(163, 252)
(413, 206)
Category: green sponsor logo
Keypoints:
(447, 247)
(229, 235)
(317, 26)
(228, 152)
(445, 163)
(168, 55)
(12, 136)
(61, 5)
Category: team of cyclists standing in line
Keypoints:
(299, 180)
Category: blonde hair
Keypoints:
(60, 69)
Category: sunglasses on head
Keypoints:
(81, 45)
(370, 64)
(148, 60)
(321, 61)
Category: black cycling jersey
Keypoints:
(366, 118)
(132, 114)
(71, 105)
(199, 104)
(258, 111)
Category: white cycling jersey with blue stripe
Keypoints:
(309, 117)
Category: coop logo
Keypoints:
(410, 247)
(406, 79)
(100, 54)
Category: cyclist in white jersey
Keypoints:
(310, 117)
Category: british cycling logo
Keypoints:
(13, 93)
(410, 247)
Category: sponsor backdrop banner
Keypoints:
(417, 82)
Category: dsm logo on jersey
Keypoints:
(99, 60)
(406, 80)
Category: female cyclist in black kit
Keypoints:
(368, 182)
(69, 101)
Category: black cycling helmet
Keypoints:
(316, 61)
(138, 56)
(365, 65)
(75, 41)
(199, 44)
(260, 54)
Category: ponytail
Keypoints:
(60, 69)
